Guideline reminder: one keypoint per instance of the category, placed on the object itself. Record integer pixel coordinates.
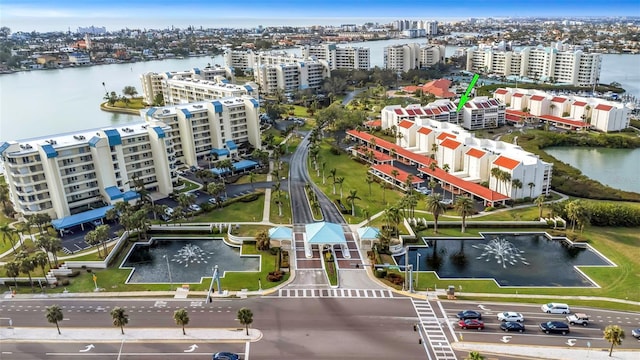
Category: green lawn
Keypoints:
(274, 211)
(235, 212)
(188, 185)
(355, 174)
(246, 180)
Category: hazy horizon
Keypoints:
(44, 15)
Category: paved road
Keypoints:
(293, 328)
(298, 177)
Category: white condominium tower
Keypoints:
(407, 57)
(65, 174)
(158, 83)
(339, 57)
(545, 64)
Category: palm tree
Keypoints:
(13, 270)
(7, 233)
(613, 334)
(384, 186)
(474, 355)
(185, 200)
(539, 201)
(340, 180)
(181, 318)
(464, 207)
(495, 172)
(120, 318)
(395, 174)
(332, 176)
(323, 165)
(245, 316)
(90, 238)
(276, 188)
(531, 185)
(517, 184)
(252, 178)
(41, 260)
(102, 233)
(54, 316)
(370, 180)
(436, 207)
(353, 196)
(26, 265)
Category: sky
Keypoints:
(60, 15)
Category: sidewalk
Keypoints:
(110, 334)
(545, 352)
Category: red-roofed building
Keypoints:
(444, 135)
(579, 103)
(476, 153)
(501, 91)
(424, 130)
(438, 88)
(450, 144)
(539, 105)
(519, 101)
(406, 133)
(506, 162)
(371, 156)
(608, 117)
(425, 138)
(604, 107)
(386, 173)
(476, 163)
(387, 147)
(459, 186)
(564, 123)
(537, 98)
(406, 124)
(373, 124)
(451, 152)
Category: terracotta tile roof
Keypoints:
(445, 135)
(450, 144)
(512, 117)
(418, 111)
(400, 151)
(402, 175)
(374, 123)
(406, 124)
(501, 91)
(571, 122)
(518, 95)
(472, 188)
(399, 111)
(410, 112)
(517, 112)
(537, 98)
(506, 162)
(376, 154)
(604, 107)
(476, 153)
(579, 103)
(558, 99)
(425, 130)
(439, 88)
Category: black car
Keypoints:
(512, 326)
(469, 314)
(555, 327)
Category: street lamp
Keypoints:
(417, 268)
(169, 270)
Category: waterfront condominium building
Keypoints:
(339, 57)
(211, 129)
(65, 174)
(179, 90)
(544, 64)
(289, 74)
(407, 57)
(478, 113)
(239, 59)
(566, 111)
(467, 158)
(156, 83)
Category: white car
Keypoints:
(194, 207)
(510, 316)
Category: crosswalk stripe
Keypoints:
(338, 293)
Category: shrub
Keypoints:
(380, 273)
(395, 279)
(275, 276)
(89, 270)
(489, 208)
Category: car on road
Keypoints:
(195, 207)
(555, 327)
(512, 326)
(578, 319)
(225, 356)
(469, 314)
(510, 316)
(471, 324)
(636, 333)
(556, 308)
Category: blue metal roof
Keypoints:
(151, 111)
(169, 75)
(113, 192)
(325, 233)
(3, 146)
(249, 88)
(368, 232)
(255, 103)
(187, 113)
(225, 81)
(244, 164)
(94, 141)
(217, 106)
(81, 218)
(218, 171)
(50, 151)
(114, 137)
(130, 195)
(219, 152)
(196, 70)
(231, 145)
(280, 232)
(159, 131)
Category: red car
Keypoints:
(471, 324)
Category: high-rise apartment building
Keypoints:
(407, 57)
(339, 57)
(157, 83)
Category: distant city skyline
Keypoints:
(44, 15)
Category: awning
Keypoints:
(81, 218)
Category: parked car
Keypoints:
(67, 232)
(510, 316)
(578, 318)
(471, 324)
(168, 211)
(423, 190)
(195, 207)
(556, 308)
(555, 327)
(446, 202)
(512, 326)
(225, 356)
(636, 333)
(212, 201)
(469, 314)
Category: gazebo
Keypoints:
(368, 235)
(281, 236)
(324, 233)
